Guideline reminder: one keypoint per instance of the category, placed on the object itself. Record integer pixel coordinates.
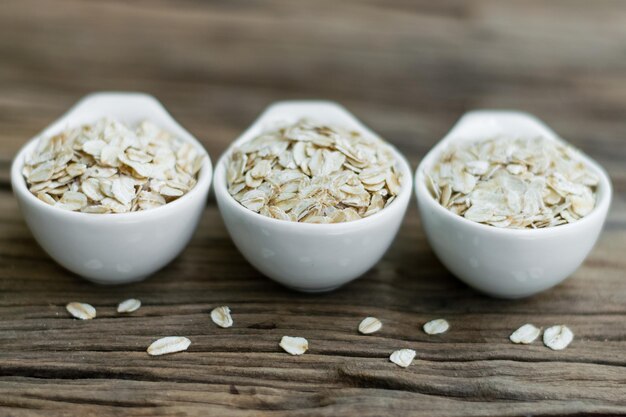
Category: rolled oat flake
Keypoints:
(294, 345)
(557, 337)
(370, 325)
(82, 311)
(437, 326)
(525, 334)
(402, 357)
(170, 344)
(221, 316)
(128, 306)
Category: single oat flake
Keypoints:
(82, 311)
(370, 325)
(557, 337)
(402, 357)
(525, 334)
(514, 183)
(313, 173)
(170, 344)
(294, 345)
(221, 316)
(107, 167)
(437, 326)
(128, 306)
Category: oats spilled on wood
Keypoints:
(525, 335)
(169, 344)
(82, 311)
(314, 173)
(557, 337)
(294, 345)
(402, 357)
(370, 325)
(221, 316)
(437, 326)
(514, 183)
(128, 306)
(106, 167)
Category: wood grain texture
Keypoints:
(408, 70)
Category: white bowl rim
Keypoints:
(604, 191)
(396, 207)
(18, 181)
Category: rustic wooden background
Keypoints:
(409, 70)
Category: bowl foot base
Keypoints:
(109, 282)
(314, 290)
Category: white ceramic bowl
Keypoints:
(113, 248)
(506, 263)
(310, 257)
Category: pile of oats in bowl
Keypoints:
(107, 167)
(514, 183)
(313, 173)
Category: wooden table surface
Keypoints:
(408, 70)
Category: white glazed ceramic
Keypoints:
(506, 263)
(113, 248)
(310, 257)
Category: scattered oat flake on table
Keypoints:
(370, 325)
(402, 357)
(107, 167)
(221, 316)
(525, 334)
(437, 326)
(170, 344)
(313, 173)
(82, 311)
(294, 345)
(557, 337)
(128, 306)
(515, 183)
